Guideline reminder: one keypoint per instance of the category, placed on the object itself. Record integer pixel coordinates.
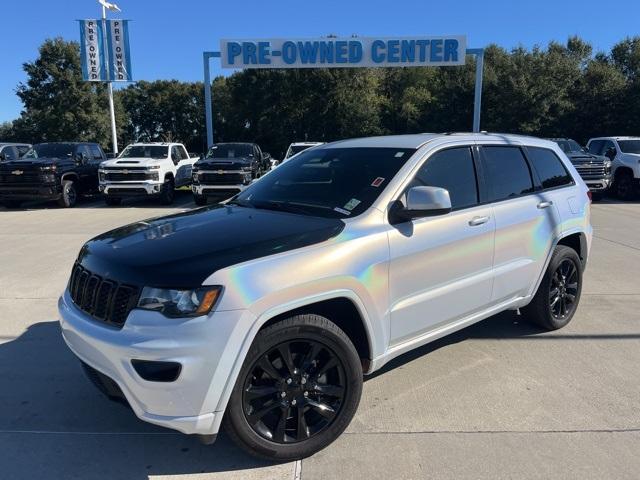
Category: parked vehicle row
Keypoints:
(263, 315)
(63, 171)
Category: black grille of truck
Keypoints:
(589, 168)
(27, 177)
(129, 177)
(221, 178)
(105, 300)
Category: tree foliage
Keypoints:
(559, 90)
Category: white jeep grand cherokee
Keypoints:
(147, 169)
(264, 313)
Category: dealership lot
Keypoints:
(500, 399)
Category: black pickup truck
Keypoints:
(227, 169)
(51, 171)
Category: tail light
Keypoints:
(590, 195)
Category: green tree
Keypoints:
(58, 105)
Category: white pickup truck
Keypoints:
(141, 169)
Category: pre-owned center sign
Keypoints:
(344, 52)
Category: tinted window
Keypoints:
(507, 172)
(629, 146)
(96, 153)
(230, 150)
(454, 170)
(549, 168)
(10, 153)
(22, 149)
(595, 147)
(53, 150)
(329, 182)
(145, 151)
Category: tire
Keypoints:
(624, 186)
(546, 308)
(167, 192)
(12, 203)
(112, 201)
(69, 195)
(200, 199)
(256, 424)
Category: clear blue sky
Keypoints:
(168, 37)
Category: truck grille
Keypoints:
(129, 177)
(221, 178)
(105, 300)
(30, 177)
(594, 170)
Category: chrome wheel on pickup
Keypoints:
(299, 388)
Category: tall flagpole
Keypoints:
(112, 112)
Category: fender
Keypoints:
(69, 175)
(262, 319)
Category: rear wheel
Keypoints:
(112, 201)
(69, 194)
(298, 389)
(624, 186)
(556, 300)
(200, 199)
(167, 192)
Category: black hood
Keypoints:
(582, 157)
(182, 250)
(35, 163)
(224, 163)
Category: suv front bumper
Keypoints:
(28, 192)
(598, 185)
(200, 189)
(206, 347)
(121, 189)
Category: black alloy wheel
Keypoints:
(294, 391)
(297, 391)
(624, 186)
(563, 290)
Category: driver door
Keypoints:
(441, 267)
(87, 174)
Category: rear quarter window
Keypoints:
(549, 167)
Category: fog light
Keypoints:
(101, 188)
(156, 188)
(157, 371)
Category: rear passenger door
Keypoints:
(441, 267)
(526, 219)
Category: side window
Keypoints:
(83, 150)
(96, 153)
(595, 147)
(549, 168)
(175, 155)
(22, 149)
(183, 153)
(609, 150)
(454, 170)
(507, 173)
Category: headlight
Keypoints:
(607, 166)
(179, 303)
(154, 167)
(195, 176)
(101, 176)
(49, 168)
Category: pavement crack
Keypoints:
(617, 243)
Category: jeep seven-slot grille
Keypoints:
(103, 299)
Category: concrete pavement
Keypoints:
(500, 399)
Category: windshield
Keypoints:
(230, 150)
(570, 146)
(293, 149)
(52, 150)
(327, 182)
(629, 146)
(145, 151)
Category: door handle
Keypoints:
(545, 204)
(475, 221)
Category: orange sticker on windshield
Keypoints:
(377, 182)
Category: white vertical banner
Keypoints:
(119, 55)
(91, 51)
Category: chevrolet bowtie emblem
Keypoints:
(125, 171)
(17, 172)
(220, 172)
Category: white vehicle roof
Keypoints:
(303, 144)
(614, 138)
(418, 140)
(139, 144)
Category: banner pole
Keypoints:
(112, 112)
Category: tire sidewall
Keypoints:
(167, 194)
(561, 254)
(69, 194)
(235, 418)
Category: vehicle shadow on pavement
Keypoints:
(55, 424)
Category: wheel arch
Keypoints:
(622, 170)
(73, 176)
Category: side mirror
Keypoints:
(422, 202)
(610, 153)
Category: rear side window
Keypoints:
(507, 173)
(454, 170)
(549, 168)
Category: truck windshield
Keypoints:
(629, 146)
(145, 151)
(570, 146)
(51, 150)
(327, 182)
(230, 150)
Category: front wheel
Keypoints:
(69, 195)
(298, 389)
(167, 192)
(624, 186)
(556, 300)
(200, 199)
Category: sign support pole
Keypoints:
(208, 105)
(112, 113)
(477, 100)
